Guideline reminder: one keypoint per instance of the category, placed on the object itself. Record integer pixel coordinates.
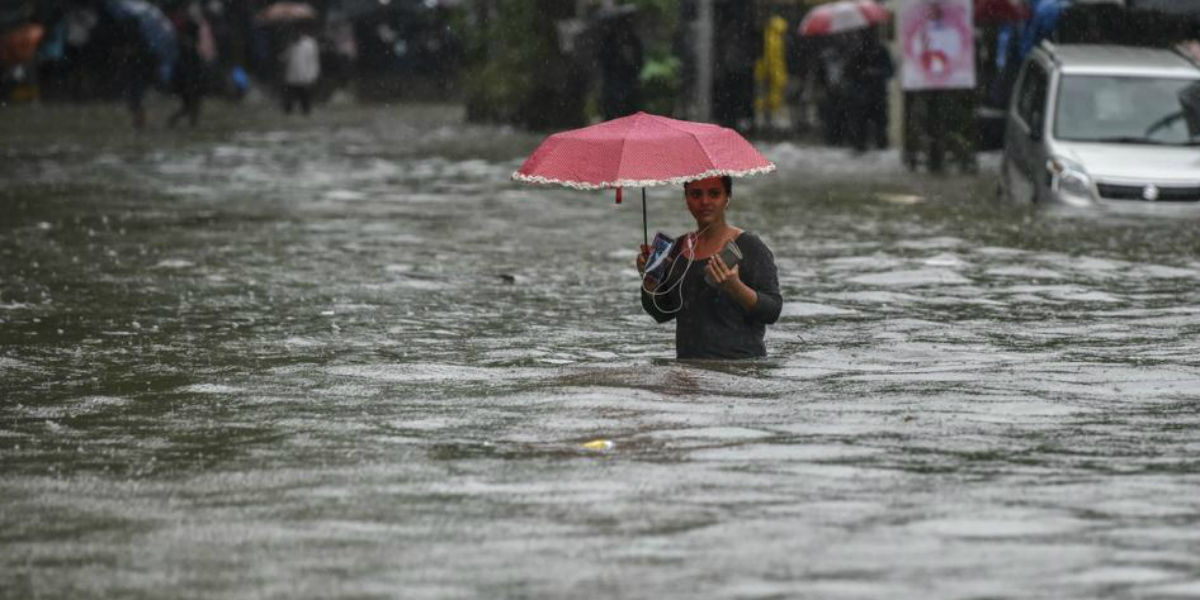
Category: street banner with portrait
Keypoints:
(937, 43)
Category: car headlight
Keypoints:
(1069, 178)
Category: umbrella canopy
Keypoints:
(1000, 11)
(641, 150)
(155, 27)
(20, 45)
(286, 11)
(839, 17)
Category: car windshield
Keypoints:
(1132, 110)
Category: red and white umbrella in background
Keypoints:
(638, 151)
(847, 15)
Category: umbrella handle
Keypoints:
(645, 229)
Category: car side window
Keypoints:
(1031, 104)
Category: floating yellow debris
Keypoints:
(598, 445)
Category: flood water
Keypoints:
(346, 357)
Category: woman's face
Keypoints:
(706, 200)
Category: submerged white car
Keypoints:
(1107, 126)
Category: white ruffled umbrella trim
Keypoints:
(632, 183)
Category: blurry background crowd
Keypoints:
(80, 50)
(546, 64)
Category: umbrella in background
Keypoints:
(1000, 11)
(641, 150)
(282, 12)
(156, 29)
(838, 17)
(20, 45)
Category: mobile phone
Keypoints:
(660, 249)
(731, 255)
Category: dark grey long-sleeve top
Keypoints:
(710, 324)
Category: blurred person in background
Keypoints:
(772, 74)
(833, 90)
(79, 68)
(187, 76)
(343, 55)
(736, 46)
(621, 62)
(868, 71)
(1041, 26)
(136, 66)
(302, 67)
(801, 66)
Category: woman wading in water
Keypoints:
(726, 316)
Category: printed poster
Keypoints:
(937, 44)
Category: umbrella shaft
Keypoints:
(645, 228)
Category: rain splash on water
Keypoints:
(346, 357)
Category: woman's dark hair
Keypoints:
(726, 182)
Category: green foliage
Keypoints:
(660, 77)
(660, 84)
(518, 74)
(500, 76)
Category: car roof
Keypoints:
(1097, 59)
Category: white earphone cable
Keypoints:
(690, 240)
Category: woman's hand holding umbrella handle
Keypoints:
(643, 256)
(648, 283)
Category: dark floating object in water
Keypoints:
(507, 277)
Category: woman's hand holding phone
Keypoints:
(722, 276)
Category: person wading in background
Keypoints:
(771, 72)
(302, 67)
(868, 70)
(620, 67)
(187, 76)
(137, 68)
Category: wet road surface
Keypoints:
(347, 358)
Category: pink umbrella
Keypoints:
(641, 150)
(838, 17)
